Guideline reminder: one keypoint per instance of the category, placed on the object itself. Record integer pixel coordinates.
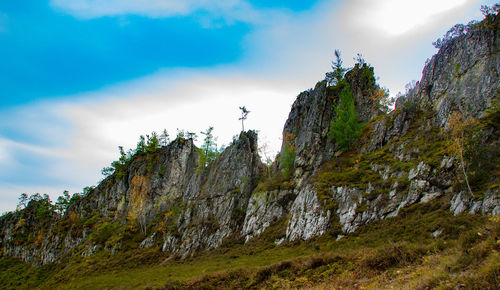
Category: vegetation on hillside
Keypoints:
(425, 246)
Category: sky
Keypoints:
(78, 78)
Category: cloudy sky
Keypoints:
(78, 78)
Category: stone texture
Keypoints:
(264, 208)
(462, 76)
(308, 218)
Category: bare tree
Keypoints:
(266, 152)
(244, 113)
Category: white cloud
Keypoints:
(301, 46)
(228, 9)
(95, 128)
(206, 98)
(396, 17)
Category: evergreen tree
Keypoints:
(287, 156)
(23, 201)
(334, 77)
(153, 143)
(209, 146)
(192, 135)
(164, 138)
(181, 134)
(62, 202)
(344, 128)
(141, 146)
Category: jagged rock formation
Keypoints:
(168, 199)
(403, 169)
(463, 76)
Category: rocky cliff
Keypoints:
(170, 200)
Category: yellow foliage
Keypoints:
(72, 215)
(378, 94)
(38, 239)
(289, 138)
(457, 128)
(21, 223)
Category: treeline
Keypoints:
(151, 143)
(42, 207)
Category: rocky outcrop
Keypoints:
(184, 205)
(216, 200)
(309, 120)
(149, 186)
(489, 204)
(463, 76)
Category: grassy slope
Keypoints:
(397, 252)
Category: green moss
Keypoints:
(103, 232)
(162, 170)
(275, 182)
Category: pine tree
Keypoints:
(287, 156)
(62, 202)
(23, 201)
(164, 138)
(345, 129)
(153, 143)
(335, 77)
(209, 146)
(141, 146)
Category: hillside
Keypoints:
(413, 202)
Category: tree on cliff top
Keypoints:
(209, 147)
(345, 129)
(244, 114)
(334, 77)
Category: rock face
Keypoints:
(309, 120)
(463, 76)
(216, 200)
(308, 218)
(170, 200)
(193, 207)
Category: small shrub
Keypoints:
(103, 232)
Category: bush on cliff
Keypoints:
(345, 129)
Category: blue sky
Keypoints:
(80, 77)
